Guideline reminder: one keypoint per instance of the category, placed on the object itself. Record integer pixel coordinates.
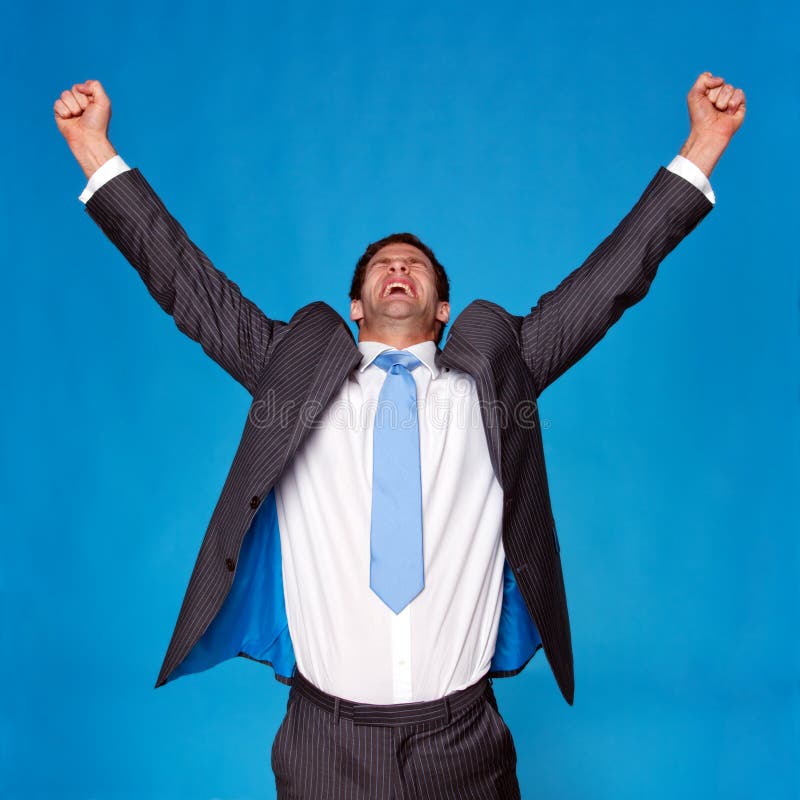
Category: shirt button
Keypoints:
(401, 663)
(254, 501)
(230, 564)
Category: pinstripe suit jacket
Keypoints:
(293, 369)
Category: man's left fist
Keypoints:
(715, 108)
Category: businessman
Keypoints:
(384, 538)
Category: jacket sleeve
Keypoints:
(204, 303)
(569, 320)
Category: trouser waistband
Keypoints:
(394, 714)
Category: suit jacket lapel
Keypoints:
(459, 354)
(333, 366)
(341, 355)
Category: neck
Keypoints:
(395, 337)
(399, 343)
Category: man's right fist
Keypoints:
(82, 114)
(83, 110)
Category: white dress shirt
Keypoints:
(346, 640)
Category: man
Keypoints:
(384, 538)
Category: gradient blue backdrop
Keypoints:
(513, 137)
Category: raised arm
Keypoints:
(205, 304)
(569, 320)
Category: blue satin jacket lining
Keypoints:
(252, 620)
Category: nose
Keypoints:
(398, 264)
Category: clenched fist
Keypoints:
(82, 115)
(715, 107)
(716, 110)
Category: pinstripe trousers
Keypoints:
(453, 749)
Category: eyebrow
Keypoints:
(380, 260)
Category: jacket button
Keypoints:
(230, 564)
(254, 501)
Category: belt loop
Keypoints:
(446, 710)
(336, 711)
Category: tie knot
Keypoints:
(386, 361)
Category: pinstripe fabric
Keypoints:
(468, 755)
(394, 713)
(292, 371)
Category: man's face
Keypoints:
(399, 290)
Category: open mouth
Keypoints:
(398, 288)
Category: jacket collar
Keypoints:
(342, 355)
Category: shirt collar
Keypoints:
(424, 351)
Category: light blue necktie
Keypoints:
(396, 572)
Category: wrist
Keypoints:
(92, 152)
(704, 150)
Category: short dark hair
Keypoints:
(440, 276)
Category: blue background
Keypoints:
(512, 137)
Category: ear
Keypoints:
(443, 312)
(356, 311)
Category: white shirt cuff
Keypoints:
(113, 167)
(679, 165)
(692, 173)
